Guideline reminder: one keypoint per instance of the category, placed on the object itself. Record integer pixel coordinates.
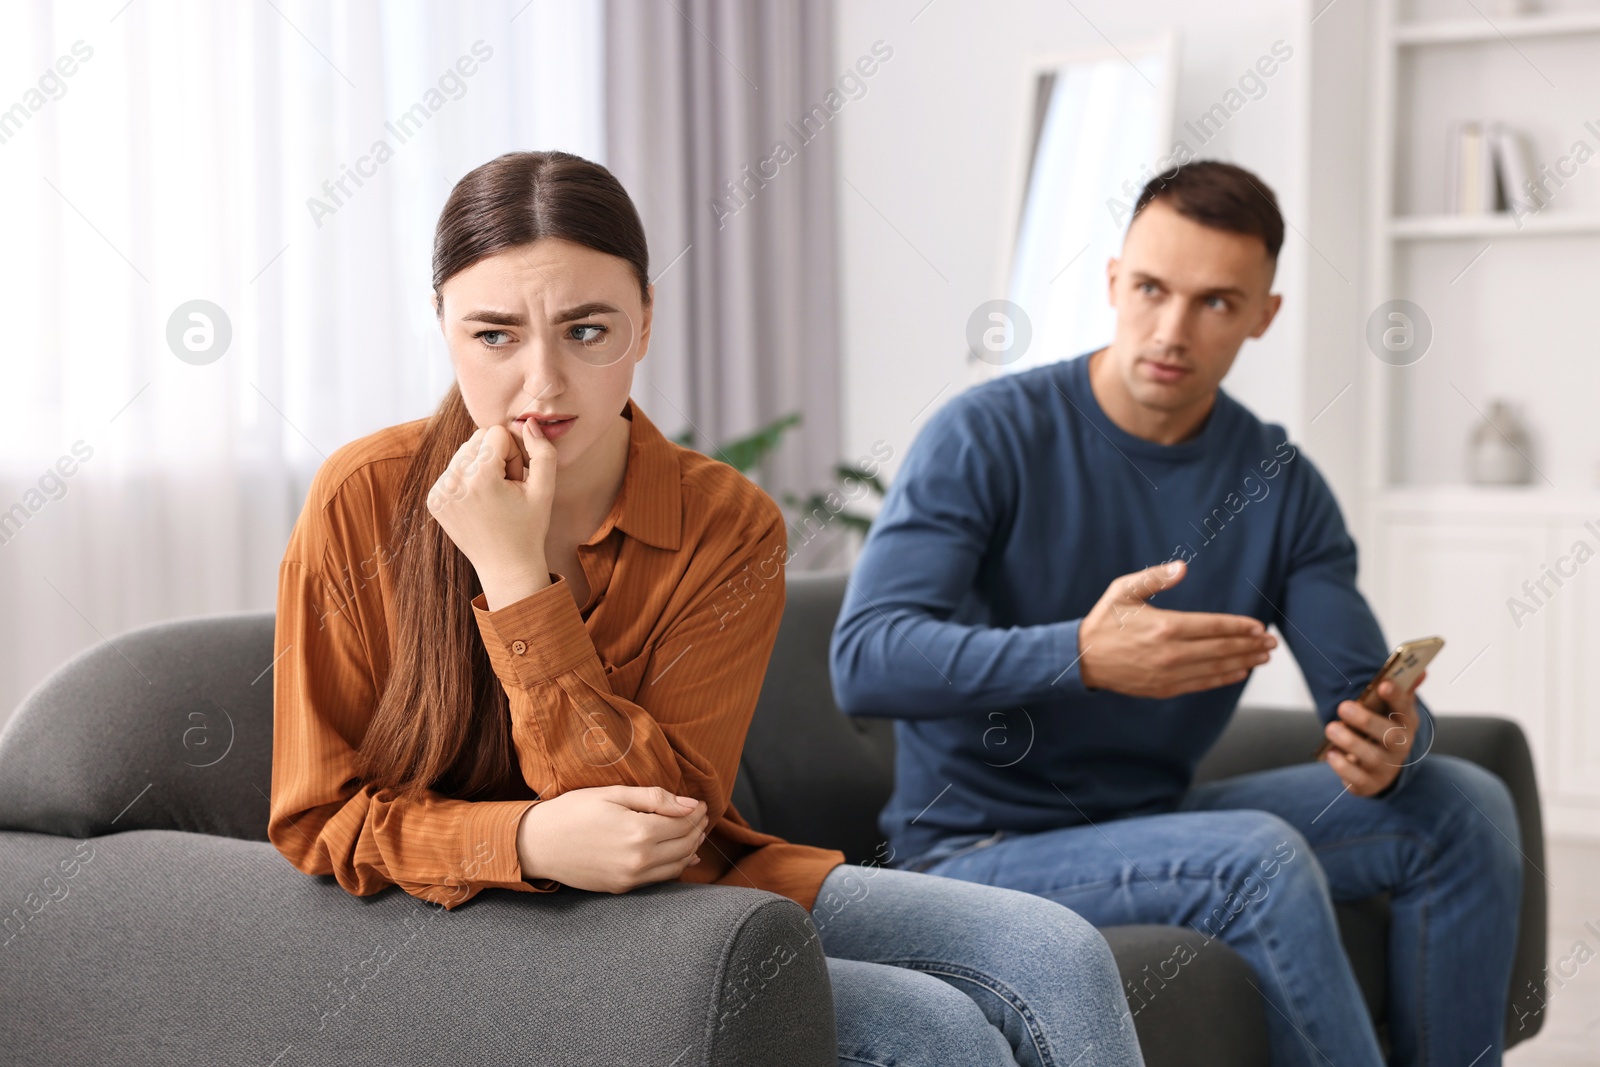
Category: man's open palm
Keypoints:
(1127, 646)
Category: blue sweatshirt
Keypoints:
(1017, 505)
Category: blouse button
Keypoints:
(519, 647)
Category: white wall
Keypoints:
(930, 171)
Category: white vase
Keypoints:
(1497, 452)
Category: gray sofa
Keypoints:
(147, 919)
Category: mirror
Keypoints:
(1101, 126)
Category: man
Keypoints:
(1063, 596)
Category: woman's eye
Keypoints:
(586, 333)
(482, 333)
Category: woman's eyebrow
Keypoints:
(495, 317)
(583, 311)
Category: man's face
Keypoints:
(1187, 296)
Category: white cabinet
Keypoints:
(1577, 677)
(1511, 580)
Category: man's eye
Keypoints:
(1147, 288)
(586, 333)
(482, 333)
(1217, 303)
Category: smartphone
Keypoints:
(1404, 665)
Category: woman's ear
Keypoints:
(644, 326)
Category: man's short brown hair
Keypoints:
(1219, 195)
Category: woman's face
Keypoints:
(547, 329)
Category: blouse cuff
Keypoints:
(490, 831)
(532, 640)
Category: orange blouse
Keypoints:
(653, 682)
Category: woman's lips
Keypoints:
(555, 428)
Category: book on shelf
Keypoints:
(1516, 171)
(1488, 171)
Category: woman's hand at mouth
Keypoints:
(527, 439)
(493, 500)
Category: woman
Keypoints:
(521, 642)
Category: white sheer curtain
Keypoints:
(158, 152)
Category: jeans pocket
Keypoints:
(951, 847)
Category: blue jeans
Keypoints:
(1258, 860)
(931, 971)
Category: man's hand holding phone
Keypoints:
(1371, 740)
(1368, 748)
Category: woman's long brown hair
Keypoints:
(443, 720)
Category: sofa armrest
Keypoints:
(157, 946)
(1218, 1018)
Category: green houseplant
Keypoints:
(747, 453)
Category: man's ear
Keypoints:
(1112, 265)
(1270, 312)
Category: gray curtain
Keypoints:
(704, 108)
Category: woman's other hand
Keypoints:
(613, 838)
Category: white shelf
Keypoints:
(1533, 502)
(1499, 224)
(1465, 31)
